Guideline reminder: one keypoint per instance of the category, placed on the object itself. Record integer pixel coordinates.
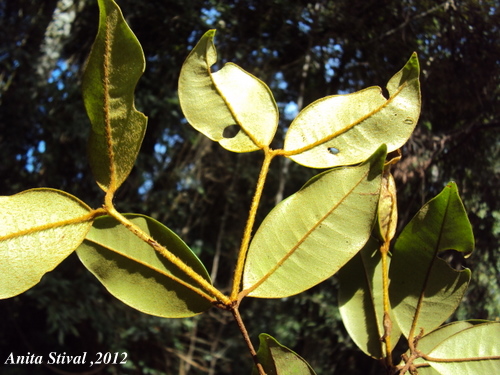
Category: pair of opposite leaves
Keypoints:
(332, 131)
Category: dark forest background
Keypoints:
(303, 50)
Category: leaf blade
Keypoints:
(354, 125)
(277, 359)
(113, 69)
(136, 274)
(229, 97)
(476, 343)
(309, 218)
(40, 228)
(434, 290)
(361, 301)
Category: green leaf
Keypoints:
(215, 103)
(424, 289)
(387, 208)
(136, 274)
(347, 129)
(114, 66)
(310, 235)
(40, 228)
(361, 301)
(471, 351)
(427, 343)
(277, 359)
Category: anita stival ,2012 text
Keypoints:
(54, 358)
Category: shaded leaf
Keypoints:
(136, 274)
(214, 103)
(40, 228)
(424, 289)
(115, 64)
(310, 235)
(361, 301)
(478, 344)
(353, 126)
(277, 359)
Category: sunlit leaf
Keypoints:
(310, 235)
(39, 229)
(114, 66)
(361, 301)
(387, 208)
(424, 289)
(136, 274)
(230, 106)
(428, 342)
(347, 129)
(277, 359)
(471, 351)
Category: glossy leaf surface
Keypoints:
(361, 301)
(279, 360)
(347, 129)
(39, 229)
(114, 66)
(136, 274)
(310, 235)
(424, 289)
(479, 344)
(214, 103)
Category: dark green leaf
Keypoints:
(136, 274)
(279, 360)
(424, 289)
(361, 301)
(115, 64)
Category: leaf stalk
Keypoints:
(238, 273)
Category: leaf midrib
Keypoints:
(348, 127)
(305, 236)
(428, 274)
(106, 105)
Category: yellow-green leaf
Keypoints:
(230, 106)
(310, 235)
(347, 129)
(39, 229)
(136, 274)
(473, 350)
(115, 64)
(387, 208)
(428, 342)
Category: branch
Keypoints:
(444, 5)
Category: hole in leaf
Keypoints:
(454, 259)
(230, 131)
(385, 93)
(333, 150)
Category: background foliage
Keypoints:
(303, 50)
